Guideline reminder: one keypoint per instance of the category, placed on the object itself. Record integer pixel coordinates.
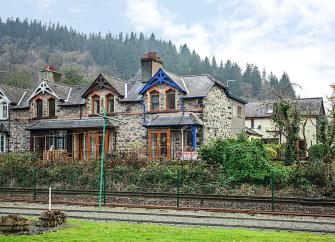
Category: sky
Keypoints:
(296, 36)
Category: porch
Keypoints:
(174, 137)
(64, 140)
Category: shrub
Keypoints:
(242, 160)
(317, 152)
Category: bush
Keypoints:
(242, 160)
(317, 152)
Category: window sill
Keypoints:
(165, 111)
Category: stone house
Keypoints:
(258, 117)
(168, 115)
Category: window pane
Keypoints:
(155, 102)
(52, 110)
(171, 100)
(93, 149)
(153, 145)
(39, 107)
(2, 142)
(4, 110)
(96, 105)
(110, 108)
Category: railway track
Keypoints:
(204, 220)
(201, 197)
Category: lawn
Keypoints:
(107, 231)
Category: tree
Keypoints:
(286, 118)
(73, 76)
(285, 87)
(19, 77)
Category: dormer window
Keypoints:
(110, 103)
(170, 100)
(154, 101)
(39, 108)
(52, 107)
(3, 110)
(96, 104)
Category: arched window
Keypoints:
(39, 108)
(52, 107)
(96, 104)
(154, 101)
(110, 103)
(170, 100)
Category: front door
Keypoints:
(159, 144)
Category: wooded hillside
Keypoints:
(26, 46)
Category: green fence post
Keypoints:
(178, 187)
(34, 183)
(272, 191)
(105, 186)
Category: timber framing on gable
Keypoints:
(99, 83)
(43, 88)
(159, 78)
(3, 97)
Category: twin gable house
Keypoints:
(170, 115)
(259, 120)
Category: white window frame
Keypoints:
(3, 114)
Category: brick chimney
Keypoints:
(150, 64)
(49, 73)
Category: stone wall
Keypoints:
(217, 114)
(19, 139)
(238, 121)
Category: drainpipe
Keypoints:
(8, 128)
(194, 134)
(80, 111)
(182, 104)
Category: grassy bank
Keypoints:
(103, 231)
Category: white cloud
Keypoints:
(294, 36)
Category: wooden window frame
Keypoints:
(37, 101)
(150, 95)
(109, 97)
(54, 114)
(93, 104)
(166, 99)
(158, 132)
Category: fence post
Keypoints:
(178, 187)
(272, 191)
(34, 183)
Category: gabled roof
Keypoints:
(163, 76)
(250, 131)
(14, 94)
(264, 109)
(106, 81)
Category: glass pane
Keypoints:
(110, 105)
(163, 144)
(39, 107)
(171, 101)
(93, 147)
(154, 145)
(155, 102)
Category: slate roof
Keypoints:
(132, 92)
(75, 96)
(69, 124)
(117, 83)
(264, 109)
(252, 132)
(180, 120)
(14, 94)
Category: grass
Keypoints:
(107, 231)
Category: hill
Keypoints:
(26, 46)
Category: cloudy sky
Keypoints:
(296, 36)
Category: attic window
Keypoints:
(96, 104)
(154, 101)
(39, 108)
(110, 103)
(52, 107)
(170, 100)
(269, 111)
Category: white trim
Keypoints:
(68, 95)
(24, 94)
(184, 85)
(43, 87)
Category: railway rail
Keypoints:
(207, 220)
(201, 197)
